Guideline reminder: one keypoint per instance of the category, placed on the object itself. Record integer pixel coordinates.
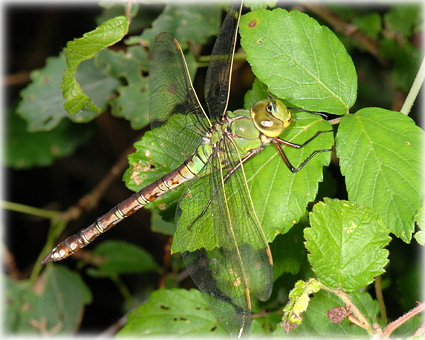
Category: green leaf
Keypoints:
(257, 93)
(255, 5)
(403, 19)
(23, 150)
(369, 23)
(119, 257)
(420, 237)
(132, 103)
(174, 312)
(53, 305)
(346, 244)
(420, 220)
(281, 197)
(82, 49)
(13, 296)
(158, 224)
(381, 157)
(42, 102)
(128, 64)
(186, 23)
(148, 164)
(299, 60)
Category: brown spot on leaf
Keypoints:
(252, 23)
(137, 171)
(39, 285)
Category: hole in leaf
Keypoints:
(47, 120)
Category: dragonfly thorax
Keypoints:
(244, 132)
(270, 117)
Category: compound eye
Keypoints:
(269, 108)
(270, 117)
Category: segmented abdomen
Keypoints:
(69, 246)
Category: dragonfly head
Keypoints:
(270, 116)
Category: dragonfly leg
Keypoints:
(321, 114)
(277, 141)
(298, 146)
(243, 160)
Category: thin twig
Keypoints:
(380, 298)
(92, 198)
(340, 25)
(17, 78)
(402, 319)
(166, 263)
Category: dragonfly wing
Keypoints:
(225, 250)
(217, 82)
(175, 111)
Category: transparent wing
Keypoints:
(218, 78)
(226, 252)
(175, 111)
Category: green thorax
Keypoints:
(240, 133)
(244, 132)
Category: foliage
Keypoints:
(329, 234)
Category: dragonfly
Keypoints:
(235, 261)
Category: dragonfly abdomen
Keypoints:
(70, 245)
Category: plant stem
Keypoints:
(22, 208)
(380, 298)
(414, 90)
(346, 28)
(123, 290)
(204, 60)
(402, 319)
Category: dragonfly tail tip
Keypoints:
(47, 259)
